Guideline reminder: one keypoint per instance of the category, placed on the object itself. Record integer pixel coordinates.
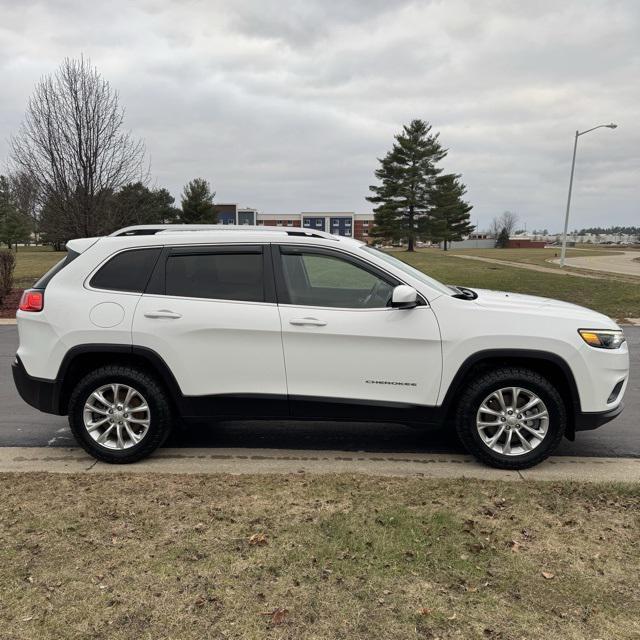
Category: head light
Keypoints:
(602, 338)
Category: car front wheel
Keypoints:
(511, 418)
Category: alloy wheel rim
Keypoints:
(512, 421)
(116, 416)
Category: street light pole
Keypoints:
(573, 166)
(566, 216)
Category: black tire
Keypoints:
(481, 387)
(155, 396)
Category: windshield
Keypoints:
(408, 269)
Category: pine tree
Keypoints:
(197, 203)
(135, 203)
(407, 175)
(503, 238)
(166, 211)
(14, 226)
(450, 218)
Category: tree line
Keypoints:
(23, 219)
(632, 231)
(74, 171)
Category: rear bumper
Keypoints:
(41, 394)
(589, 421)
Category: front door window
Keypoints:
(323, 280)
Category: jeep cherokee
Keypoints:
(154, 323)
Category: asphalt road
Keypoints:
(20, 425)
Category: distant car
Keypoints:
(150, 324)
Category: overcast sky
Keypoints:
(285, 106)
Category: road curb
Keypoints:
(277, 461)
(5, 321)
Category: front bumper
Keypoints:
(589, 421)
(41, 394)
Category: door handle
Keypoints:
(163, 313)
(314, 322)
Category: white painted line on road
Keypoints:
(268, 461)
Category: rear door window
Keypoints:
(219, 275)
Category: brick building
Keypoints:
(342, 223)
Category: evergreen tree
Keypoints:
(503, 238)
(14, 226)
(137, 204)
(450, 218)
(26, 196)
(407, 175)
(197, 203)
(167, 212)
(53, 231)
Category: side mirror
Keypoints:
(404, 297)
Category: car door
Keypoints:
(347, 353)
(210, 313)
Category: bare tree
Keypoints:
(495, 227)
(507, 220)
(73, 146)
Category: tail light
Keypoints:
(32, 300)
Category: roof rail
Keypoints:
(151, 229)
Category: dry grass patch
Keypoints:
(618, 297)
(33, 262)
(540, 257)
(133, 556)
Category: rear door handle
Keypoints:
(313, 322)
(163, 313)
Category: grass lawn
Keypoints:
(530, 256)
(350, 557)
(615, 297)
(32, 262)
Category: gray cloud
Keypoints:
(286, 105)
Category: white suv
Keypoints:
(150, 324)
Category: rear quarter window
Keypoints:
(127, 271)
(57, 268)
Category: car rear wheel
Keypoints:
(119, 414)
(511, 418)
